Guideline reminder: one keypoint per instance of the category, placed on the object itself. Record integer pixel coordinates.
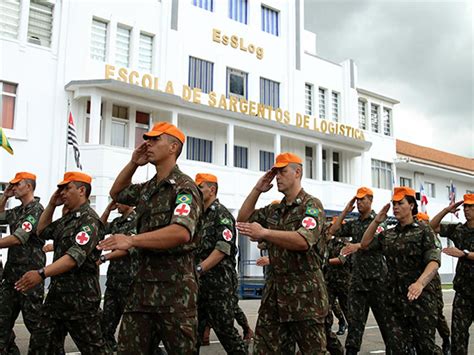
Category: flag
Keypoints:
(452, 194)
(4, 143)
(72, 140)
(423, 198)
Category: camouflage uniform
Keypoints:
(217, 301)
(367, 287)
(408, 250)
(72, 303)
(23, 221)
(294, 303)
(463, 304)
(120, 276)
(163, 299)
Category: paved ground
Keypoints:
(372, 343)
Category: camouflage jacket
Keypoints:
(337, 273)
(121, 272)
(463, 238)
(296, 276)
(75, 294)
(367, 265)
(166, 280)
(29, 255)
(407, 250)
(217, 232)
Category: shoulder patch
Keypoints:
(184, 198)
(225, 221)
(86, 228)
(31, 219)
(312, 211)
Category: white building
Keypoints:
(241, 78)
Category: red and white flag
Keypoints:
(423, 198)
(72, 140)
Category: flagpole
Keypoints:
(67, 122)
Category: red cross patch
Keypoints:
(182, 209)
(26, 226)
(227, 234)
(82, 238)
(309, 223)
(379, 229)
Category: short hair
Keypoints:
(411, 199)
(210, 184)
(294, 166)
(172, 139)
(31, 182)
(87, 186)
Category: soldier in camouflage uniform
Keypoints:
(72, 303)
(368, 287)
(412, 260)
(25, 253)
(216, 263)
(462, 236)
(120, 273)
(163, 301)
(295, 302)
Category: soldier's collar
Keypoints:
(414, 224)
(297, 201)
(30, 204)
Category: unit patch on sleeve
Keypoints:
(309, 223)
(312, 211)
(82, 238)
(182, 210)
(184, 198)
(26, 226)
(227, 234)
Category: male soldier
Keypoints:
(294, 303)
(442, 324)
(462, 236)
(121, 271)
(163, 301)
(24, 254)
(215, 259)
(73, 300)
(369, 271)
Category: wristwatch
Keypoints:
(466, 252)
(102, 259)
(41, 273)
(199, 269)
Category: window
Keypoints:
(387, 115)
(270, 21)
(336, 169)
(429, 189)
(405, 182)
(201, 74)
(269, 92)
(322, 103)
(325, 166)
(122, 50)
(145, 52)
(335, 106)
(88, 122)
(308, 99)
(119, 130)
(238, 10)
(204, 4)
(199, 149)
(362, 115)
(8, 91)
(381, 174)
(10, 19)
(142, 124)
(98, 40)
(266, 160)
(236, 83)
(309, 162)
(374, 117)
(40, 23)
(241, 157)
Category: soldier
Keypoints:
(462, 236)
(216, 264)
(121, 272)
(369, 271)
(25, 253)
(163, 301)
(412, 261)
(294, 303)
(72, 303)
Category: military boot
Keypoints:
(342, 327)
(446, 346)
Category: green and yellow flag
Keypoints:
(4, 143)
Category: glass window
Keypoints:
(322, 103)
(336, 168)
(309, 162)
(9, 18)
(269, 92)
(241, 157)
(122, 50)
(374, 117)
(362, 114)
(40, 22)
(270, 20)
(142, 124)
(405, 182)
(308, 99)
(335, 106)
(145, 53)
(238, 10)
(387, 115)
(266, 160)
(7, 118)
(236, 83)
(381, 174)
(199, 149)
(98, 40)
(87, 125)
(430, 189)
(325, 166)
(201, 73)
(119, 131)
(204, 4)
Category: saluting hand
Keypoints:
(414, 291)
(116, 241)
(29, 280)
(139, 156)
(56, 199)
(8, 191)
(454, 252)
(350, 205)
(382, 215)
(265, 182)
(252, 230)
(454, 207)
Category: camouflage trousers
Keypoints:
(334, 346)
(85, 333)
(11, 303)
(220, 315)
(115, 300)
(463, 315)
(442, 324)
(240, 317)
(140, 332)
(338, 294)
(359, 304)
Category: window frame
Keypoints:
(103, 22)
(37, 40)
(148, 69)
(118, 55)
(190, 149)
(271, 96)
(237, 72)
(209, 84)
(364, 106)
(270, 10)
(322, 103)
(309, 99)
(268, 160)
(8, 94)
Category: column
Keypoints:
(277, 144)
(230, 144)
(319, 162)
(174, 118)
(94, 127)
(132, 114)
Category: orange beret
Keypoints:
(364, 191)
(167, 128)
(201, 177)
(75, 176)
(469, 199)
(22, 175)
(284, 159)
(422, 217)
(400, 192)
